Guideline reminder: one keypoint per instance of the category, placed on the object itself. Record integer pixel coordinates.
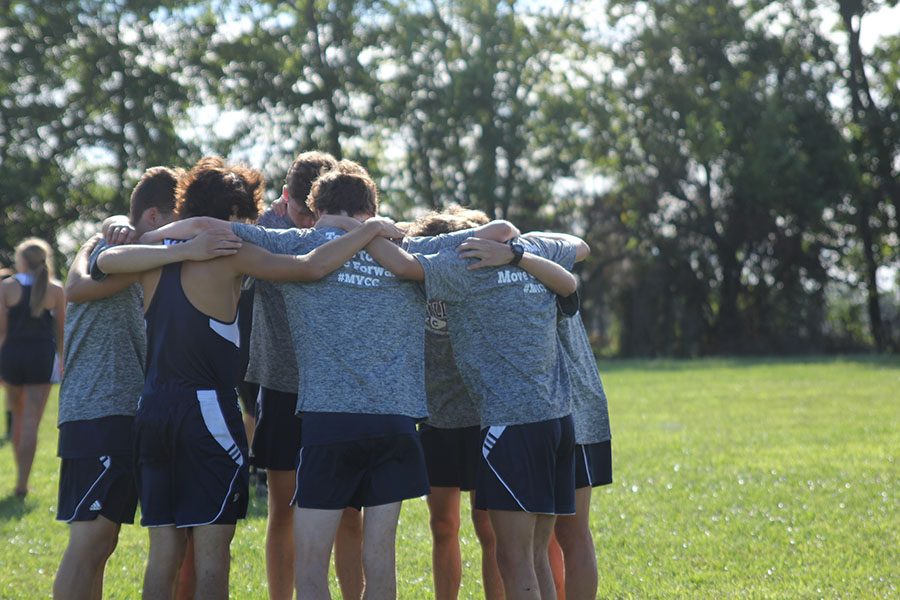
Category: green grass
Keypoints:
(733, 478)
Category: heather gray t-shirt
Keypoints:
(104, 355)
(589, 408)
(272, 361)
(360, 327)
(449, 403)
(503, 331)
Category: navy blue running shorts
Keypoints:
(97, 486)
(27, 362)
(593, 464)
(359, 473)
(191, 458)
(528, 468)
(451, 455)
(276, 440)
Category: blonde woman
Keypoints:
(32, 312)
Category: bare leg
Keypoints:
(15, 400)
(557, 567)
(186, 584)
(81, 570)
(543, 530)
(348, 554)
(279, 535)
(314, 532)
(166, 554)
(32, 411)
(443, 504)
(515, 553)
(212, 560)
(490, 572)
(379, 551)
(574, 534)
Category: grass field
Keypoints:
(734, 478)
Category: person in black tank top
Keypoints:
(30, 339)
(190, 447)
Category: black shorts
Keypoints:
(593, 464)
(191, 458)
(528, 468)
(367, 472)
(276, 440)
(101, 485)
(451, 455)
(27, 362)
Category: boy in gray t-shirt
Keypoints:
(503, 332)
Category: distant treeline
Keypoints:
(734, 165)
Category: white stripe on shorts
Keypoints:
(215, 424)
(106, 462)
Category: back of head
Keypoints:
(348, 189)
(36, 257)
(215, 189)
(306, 168)
(156, 189)
(455, 218)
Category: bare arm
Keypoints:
(494, 254)
(59, 320)
(185, 229)
(3, 313)
(79, 285)
(582, 250)
(499, 231)
(140, 258)
(257, 262)
(396, 260)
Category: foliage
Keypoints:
(729, 162)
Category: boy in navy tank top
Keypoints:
(190, 447)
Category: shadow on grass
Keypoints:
(869, 361)
(13, 507)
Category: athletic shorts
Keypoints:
(191, 458)
(593, 464)
(276, 440)
(27, 362)
(528, 468)
(451, 455)
(366, 472)
(100, 485)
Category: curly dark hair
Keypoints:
(351, 191)
(156, 189)
(214, 189)
(454, 218)
(306, 168)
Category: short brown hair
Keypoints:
(455, 218)
(306, 168)
(352, 192)
(214, 189)
(156, 189)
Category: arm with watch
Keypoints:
(496, 254)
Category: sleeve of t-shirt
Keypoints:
(568, 305)
(277, 241)
(446, 276)
(435, 243)
(272, 220)
(93, 268)
(560, 251)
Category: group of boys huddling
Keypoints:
(360, 406)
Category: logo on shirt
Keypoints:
(365, 271)
(96, 506)
(436, 317)
(530, 284)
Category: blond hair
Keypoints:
(37, 256)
